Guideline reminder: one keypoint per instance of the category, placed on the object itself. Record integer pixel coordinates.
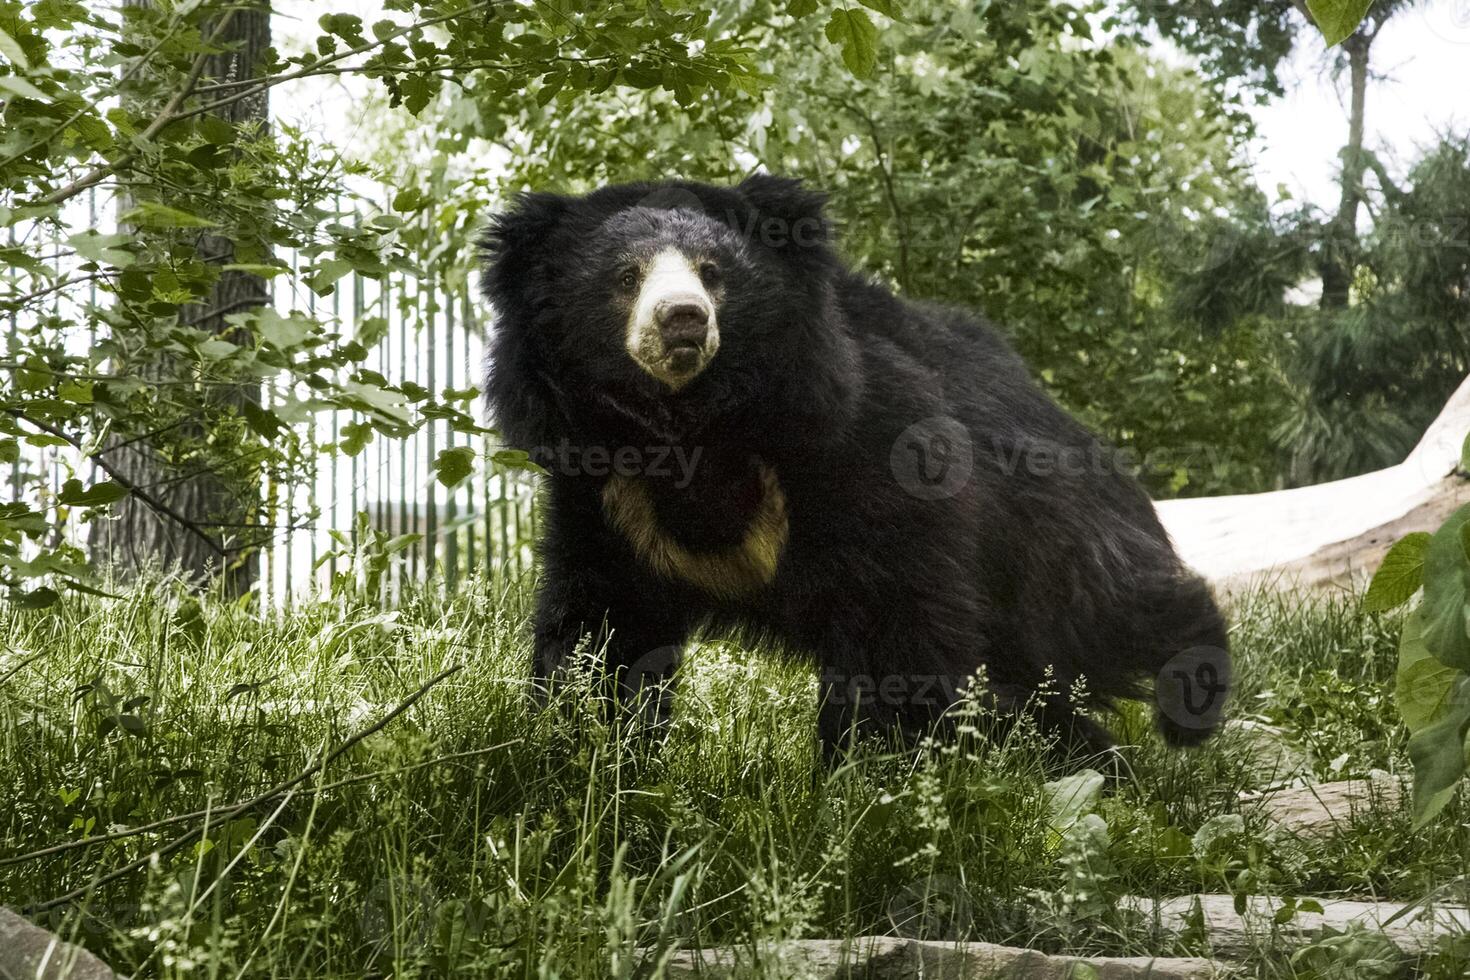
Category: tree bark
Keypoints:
(1340, 249)
(225, 505)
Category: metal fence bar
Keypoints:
(431, 334)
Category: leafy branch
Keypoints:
(1433, 683)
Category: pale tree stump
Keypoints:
(1331, 533)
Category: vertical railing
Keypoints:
(432, 336)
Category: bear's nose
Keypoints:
(683, 322)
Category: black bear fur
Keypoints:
(1045, 565)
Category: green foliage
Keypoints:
(1338, 18)
(999, 158)
(475, 836)
(109, 101)
(1433, 689)
(1400, 575)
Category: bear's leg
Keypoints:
(902, 702)
(1074, 736)
(636, 644)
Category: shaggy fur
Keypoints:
(1044, 564)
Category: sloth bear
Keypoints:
(739, 432)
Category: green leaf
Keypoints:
(262, 421)
(1337, 19)
(515, 459)
(1446, 592)
(454, 466)
(854, 30)
(1438, 753)
(1400, 575)
(355, 437)
(99, 495)
(417, 91)
(801, 8)
(76, 391)
(1068, 798)
(371, 329)
(13, 52)
(885, 7)
(36, 598)
(1465, 455)
(21, 88)
(284, 333)
(323, 281)
(408, 199)
(104, 249)
(1422, 685)
(373, 398)
(151, 214)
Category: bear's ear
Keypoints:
(787, 212)
(515, 247)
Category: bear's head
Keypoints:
(651, 297)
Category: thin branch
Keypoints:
(152, 502)
(20, 667)
(885, 162)
(168, 115)
(143, 436)
(123, 79)
(19, 301)
(228, 815)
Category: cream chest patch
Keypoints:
(730, 573)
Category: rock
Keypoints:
(888, 958)
(28, 952)
(1271, 757)
(1233, 935)
(1323, 809)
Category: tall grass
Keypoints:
(474, 835)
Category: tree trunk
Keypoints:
(225, 505)
(1340, 249)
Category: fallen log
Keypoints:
(1234, 935)
(28, 952)
(1330, 533)
(890, 958)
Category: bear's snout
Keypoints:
(672, 333)
(683, 321)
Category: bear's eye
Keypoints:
(628, 278)
(709, 272)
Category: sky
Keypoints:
(1421, 87)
